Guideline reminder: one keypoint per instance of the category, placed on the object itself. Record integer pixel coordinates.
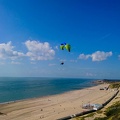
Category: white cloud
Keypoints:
(96, 56)
(6, 51)
(39, 51)
(100, 55)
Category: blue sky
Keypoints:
(31, 32)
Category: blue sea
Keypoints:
(18, 88)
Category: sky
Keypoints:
(31, 32)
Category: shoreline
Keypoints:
(55, 106)
(10, 94)
(32, 98)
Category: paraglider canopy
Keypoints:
(64, 45)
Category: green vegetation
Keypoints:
(114, 85)
(99, 111)
(112, 112)
(101, 118)
(90, 115)
(79, 118)
(117, 97)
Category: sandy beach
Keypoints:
(55, 106)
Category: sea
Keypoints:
(19, 88)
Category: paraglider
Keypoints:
(64, 45)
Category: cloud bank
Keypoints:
(6, 51)
(96, 56)
(36, 51)
(39, 51)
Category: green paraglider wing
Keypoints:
(68, 47)
(62, 47)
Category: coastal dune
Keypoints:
(55, 106)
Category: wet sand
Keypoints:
(55, 106)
